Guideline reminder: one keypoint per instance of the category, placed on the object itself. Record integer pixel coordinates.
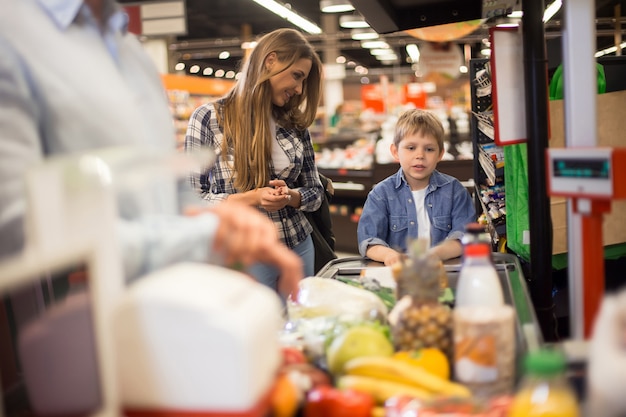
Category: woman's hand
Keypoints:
(246, 236)
(273, 199)
(278, 195)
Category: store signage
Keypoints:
(158, 18)
(443, 58)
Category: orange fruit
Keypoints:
(432, 360)
(285, 397)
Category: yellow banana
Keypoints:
(391, 369)
(378, 411)
(381, 390)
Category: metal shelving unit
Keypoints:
(488, 157)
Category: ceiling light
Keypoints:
(413, 51)
(180, 66)
(248, 45)
(290, 16)
(335, 6)
(380, 51)
(551, 10)
(374, 44)
(230, 74)
(207, 71)
(219, 73)
(390, 57)
(507, 23)
(352, 21)
(194, 69)
(609, 50)
(363, 34)
(224, 55)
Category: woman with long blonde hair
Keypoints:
(259, 132)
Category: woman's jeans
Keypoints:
(268, 274)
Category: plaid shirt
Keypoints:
(216, 183)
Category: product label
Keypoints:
(475, 359)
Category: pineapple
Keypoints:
(425, 322)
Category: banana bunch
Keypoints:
(385, 377)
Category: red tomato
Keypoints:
(326, 401)
(293, 355)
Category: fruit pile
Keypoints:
(365, 376)
(371, 366)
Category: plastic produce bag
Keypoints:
(328, 297)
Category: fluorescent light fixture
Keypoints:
(508, 24)
(364, 34)
(248, 45)
(413, 51)
(381, 51)
(280, 10)
(335, 6)
(547, 14)
(374, 44)
(610, 50)
(390, 57)
(551, 10)
(352, 21)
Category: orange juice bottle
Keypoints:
(544, 391)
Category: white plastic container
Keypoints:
(197, 338)
(478, 283)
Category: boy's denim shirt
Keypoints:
(389, 216)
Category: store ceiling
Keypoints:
(216, 25)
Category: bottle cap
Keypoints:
(474, 228)
(476, 233)
(545, 362)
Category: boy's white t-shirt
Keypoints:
(423, 222)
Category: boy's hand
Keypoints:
(384, 254)
(392, 258)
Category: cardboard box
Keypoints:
(611, 132)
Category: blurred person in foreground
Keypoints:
(259, 131)
(72, 79)
(417, 201)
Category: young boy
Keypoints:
(418, 200)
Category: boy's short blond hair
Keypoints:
(416, 121)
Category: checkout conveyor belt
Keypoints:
(514, 286)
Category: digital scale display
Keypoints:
(581, 168)
(585, 172)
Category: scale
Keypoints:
(590, 178)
